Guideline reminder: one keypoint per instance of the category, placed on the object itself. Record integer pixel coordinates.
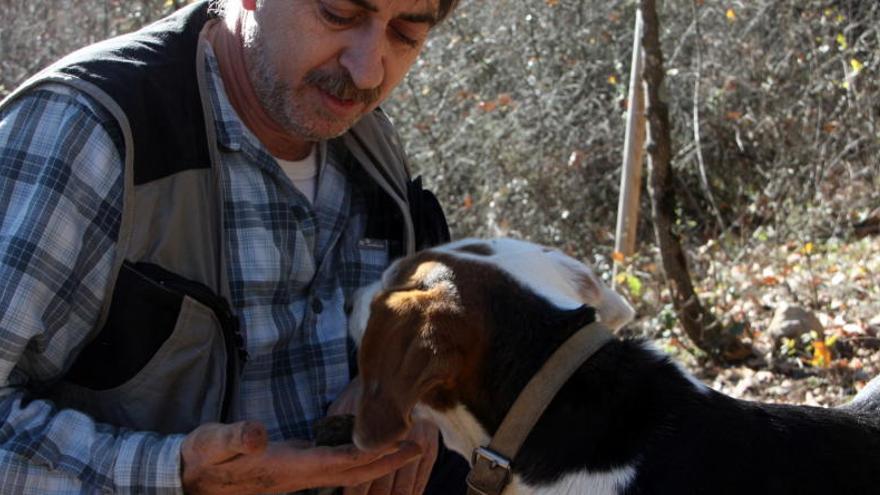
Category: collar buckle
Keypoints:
(490, 473)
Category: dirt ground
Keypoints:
(838, 281)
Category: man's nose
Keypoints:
(364, 58)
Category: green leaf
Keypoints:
(634, 285)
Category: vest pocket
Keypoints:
(166, 360)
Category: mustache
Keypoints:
(339, 84)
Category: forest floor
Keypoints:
(838, 281)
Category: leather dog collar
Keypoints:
(490, 473)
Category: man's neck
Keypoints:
(230, 57)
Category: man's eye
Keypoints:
(411, 42)
(334, 18)
(406, 33)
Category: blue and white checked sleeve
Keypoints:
(60, 209)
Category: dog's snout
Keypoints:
(377, 427)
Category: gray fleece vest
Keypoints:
(166, 353)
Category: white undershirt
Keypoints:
(303, 173)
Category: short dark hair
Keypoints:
(444, 8)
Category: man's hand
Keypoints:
(238, 459)
(411, 478)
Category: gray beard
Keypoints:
(274, 94)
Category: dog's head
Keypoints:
(425, 329)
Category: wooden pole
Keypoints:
(633, 154)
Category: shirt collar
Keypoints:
(232, 134)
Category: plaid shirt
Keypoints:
(291, 267)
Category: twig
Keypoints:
(814, 290)
(106, 18)
(704, 179)
(700, 325)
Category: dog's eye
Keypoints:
(409, 287)
(477, 248)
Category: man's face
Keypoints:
(319, 65)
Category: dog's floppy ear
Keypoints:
(408, 354)
(612, 308)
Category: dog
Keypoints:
(453, 334)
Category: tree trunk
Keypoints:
(700, 325)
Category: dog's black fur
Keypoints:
(630, 406)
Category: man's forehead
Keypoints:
(409, 5)
(413, 10)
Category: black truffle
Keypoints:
(334, 430)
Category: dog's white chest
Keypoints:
(593, 483)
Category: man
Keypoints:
(187, 211)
